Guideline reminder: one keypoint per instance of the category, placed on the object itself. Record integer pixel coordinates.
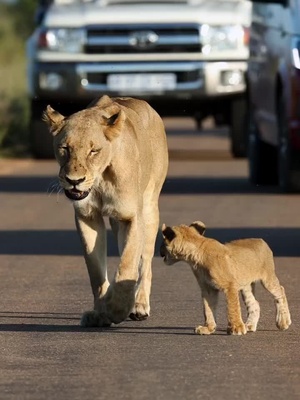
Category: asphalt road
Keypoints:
(44, 286)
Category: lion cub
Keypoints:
(230, 267)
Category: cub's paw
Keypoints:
(251, 326)
(204, 330)
(283, 321)
(237, 329)
(139, 312)
(91, 319)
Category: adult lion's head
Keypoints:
(83, 144)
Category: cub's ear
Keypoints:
(199, 226)
(113, 118)
(53, 119)
(168, 232)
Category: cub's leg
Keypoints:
(253, 309)
(283, 318)
(210, 300)
(141, 309)
(236, 325)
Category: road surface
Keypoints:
(44, 288)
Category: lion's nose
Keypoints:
(74, 182)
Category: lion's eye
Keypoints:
(94, 151)
(64, 149)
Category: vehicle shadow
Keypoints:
(209, 185)
(28, 184)
(67, 243)
(173, 185)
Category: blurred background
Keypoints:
(153, 53)
(16, 24)
(234, 62)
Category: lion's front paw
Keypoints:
(119, 300)
(91, 319)
(237, 329)
(139, 312)
(205, 330)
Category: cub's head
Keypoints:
(83, 144)
(179, 240)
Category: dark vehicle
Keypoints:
(274, 94)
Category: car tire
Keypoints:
(238, 134)
(262, 157)
(288, 160)
(41, 140)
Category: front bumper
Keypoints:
(194, 79)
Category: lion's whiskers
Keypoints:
(55, 187)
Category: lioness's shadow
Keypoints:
(120, 329)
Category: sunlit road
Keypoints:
(44, 288)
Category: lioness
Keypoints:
(113, 161)
(229, 267)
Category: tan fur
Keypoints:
(230, 267)
(113, 155)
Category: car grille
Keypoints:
(133, 39)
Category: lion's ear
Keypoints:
(113, 121)
(53, 119)
(199, 226)
(168, 232)
(104, 101)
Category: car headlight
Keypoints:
(62, 39)
(296, 52)
(222, 38)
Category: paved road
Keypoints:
(44, 287)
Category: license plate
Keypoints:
(141, 82)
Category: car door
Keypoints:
(265, 54)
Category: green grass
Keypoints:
(13, 98)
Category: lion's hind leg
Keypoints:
(283, 317)
(253, 308)
(210, 301)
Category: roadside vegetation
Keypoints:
(16, 24)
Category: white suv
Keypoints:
(185, 57)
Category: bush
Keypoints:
(16, 24)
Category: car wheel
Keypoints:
(41, 140)
(288, 164)
(262, 157)
(238, 134)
